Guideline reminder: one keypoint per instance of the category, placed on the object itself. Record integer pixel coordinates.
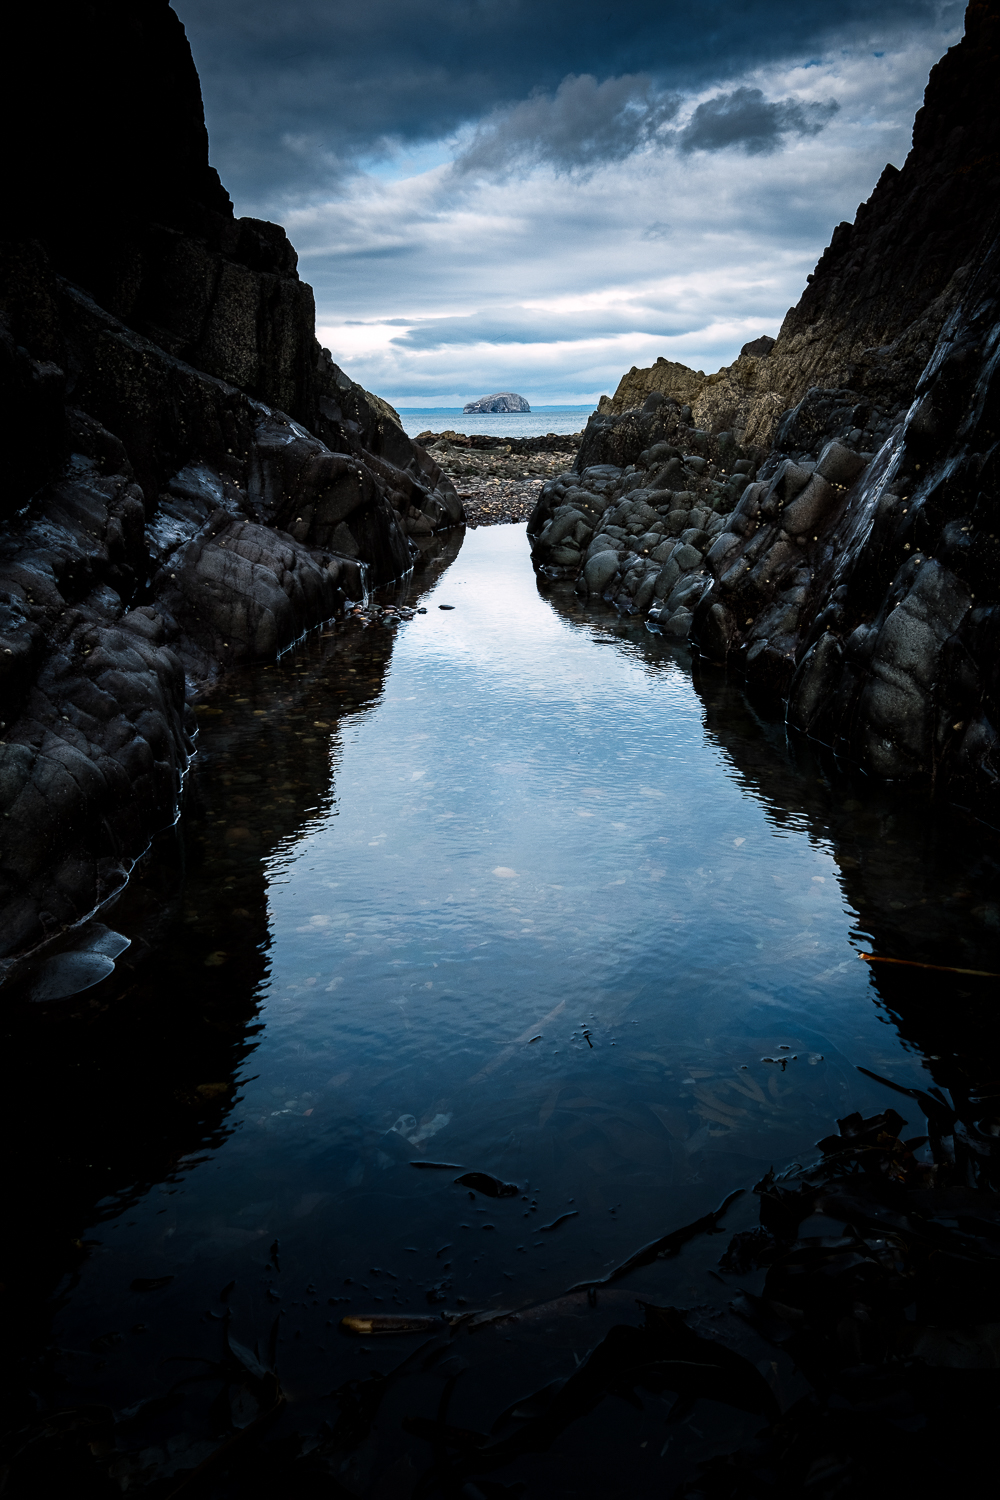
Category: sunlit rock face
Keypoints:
(666, 377)
(190, 480)
(852, 464)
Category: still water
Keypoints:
(511, 888)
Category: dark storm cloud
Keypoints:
(585, 124)
(590, 124)
(746, 119)
(297, 93)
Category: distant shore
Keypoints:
(499, 479)
(560, 420)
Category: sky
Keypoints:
(536, 195)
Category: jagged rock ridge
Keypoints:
(824, 517)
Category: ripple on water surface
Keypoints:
(509, 889)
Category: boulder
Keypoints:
(600, 570)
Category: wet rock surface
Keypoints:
(638, 535)
(193, 482)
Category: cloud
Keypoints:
(605, 246)
(585, 124)
(300, 94)
(745, 118)
(526, 325)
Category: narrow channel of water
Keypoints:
(513, 889)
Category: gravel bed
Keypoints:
(493, 504)
(496, 485)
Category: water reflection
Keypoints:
(513, 891)
(121, 1090)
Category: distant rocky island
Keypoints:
(502, 401)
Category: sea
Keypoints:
(534, 423)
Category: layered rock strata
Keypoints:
(824, 517)
(192, 482)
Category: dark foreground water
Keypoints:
(511, 889)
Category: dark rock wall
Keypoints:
(190, 481)
(871, 308)
(857, 575)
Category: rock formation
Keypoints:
(191, 482)
(665, 377)
(503, 401)
(823, 516)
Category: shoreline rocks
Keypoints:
(822, 517)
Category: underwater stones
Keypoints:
(718, 630)
(814, 679)
(67, 974)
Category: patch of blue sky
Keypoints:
(413, 161)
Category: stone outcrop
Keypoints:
(823, 515)
(885, 285)
(503, 401)
(191, 481)
(639, 536)
(867, 594)
(665, 377)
